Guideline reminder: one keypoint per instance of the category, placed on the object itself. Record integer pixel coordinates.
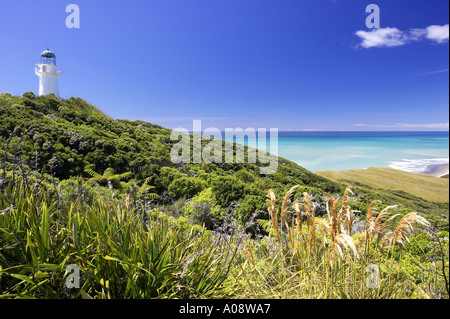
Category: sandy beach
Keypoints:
(437, 170)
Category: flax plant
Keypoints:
(121, 252)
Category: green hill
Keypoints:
(82, 191)
(73, 139)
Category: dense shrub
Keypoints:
(186, 187)
(227, 189)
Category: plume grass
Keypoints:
(322, 257)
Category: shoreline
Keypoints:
(437, 170)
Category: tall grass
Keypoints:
(305, 256)
(125, 250)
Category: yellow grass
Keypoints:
(321, 258)
(428, 187)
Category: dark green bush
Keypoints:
(186, 187)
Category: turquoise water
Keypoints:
(409, 151)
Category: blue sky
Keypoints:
(291, 65)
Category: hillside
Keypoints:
(421, 185)
(72, 140)
(82, 192)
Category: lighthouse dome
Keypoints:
(48, 54)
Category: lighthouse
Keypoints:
(48, 74)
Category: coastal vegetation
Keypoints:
(80, 188)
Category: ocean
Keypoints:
(409, 151)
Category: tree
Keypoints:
(29, 95)
(251, 204)
(166, 176)
(203, 209)
(133, 189)
(227, 189)
(186, 187)
(109, 177)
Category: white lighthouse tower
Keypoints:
(48, 74)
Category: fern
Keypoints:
(109, 175)
(143, 190)
(265, 224)
(92, 173)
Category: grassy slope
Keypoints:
(421, 185)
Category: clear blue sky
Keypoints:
(291, 65)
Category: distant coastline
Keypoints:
(437, 170)
(415, 152)
(422, 185)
